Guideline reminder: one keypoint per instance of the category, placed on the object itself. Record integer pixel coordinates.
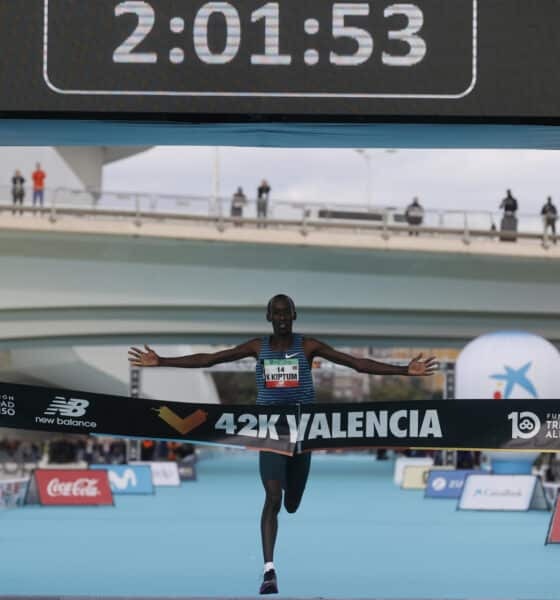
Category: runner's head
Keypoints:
(281, 312)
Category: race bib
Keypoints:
(283, 372)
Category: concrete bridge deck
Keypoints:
(84, 280)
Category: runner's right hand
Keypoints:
(140, 358)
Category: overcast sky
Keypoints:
(473, 179)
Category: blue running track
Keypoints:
(356, 535)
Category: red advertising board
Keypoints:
(59, 487)
(553, 535)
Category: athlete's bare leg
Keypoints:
(269, 517)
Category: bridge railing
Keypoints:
(388, 221)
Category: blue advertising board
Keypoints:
(447, 484)
(129, 479)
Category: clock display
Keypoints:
(308, 48)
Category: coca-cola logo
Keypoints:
(82, 487)
(72, 487)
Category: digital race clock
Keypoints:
(254, 48)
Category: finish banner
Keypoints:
(439, 424)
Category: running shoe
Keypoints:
(269, 584)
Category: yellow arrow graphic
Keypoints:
(182, 425)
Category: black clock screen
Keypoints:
(382, 48)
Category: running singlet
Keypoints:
(283, 377)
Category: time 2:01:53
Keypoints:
(362, 40)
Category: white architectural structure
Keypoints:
(96, 369)
(70, 166)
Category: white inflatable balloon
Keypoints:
(508, 365)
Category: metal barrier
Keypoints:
(304, 217)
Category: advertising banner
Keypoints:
(435, 424)
(502, 492)
(70, 411)
(163, 473)
(187, 468)
(447, 483)
(404, 461)
(128, 479)
(17, 470)
(62, 487)
(551, 491)
(12, 492)
(416, 476)
(553, 534)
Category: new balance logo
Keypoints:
(67, 408)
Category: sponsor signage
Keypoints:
(416, 477)
(551, 491)
(128, 479)
(403, 462)
(207, 60)
(12, 492)
(163, 473)
(455, 424)
(187, 468)
(64, 487)
(15, 470)
(7, 405)
(553, 533)
(502, 492)
(446, 483)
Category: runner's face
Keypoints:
(281, 317)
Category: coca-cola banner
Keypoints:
(441, 424)
(86, 487)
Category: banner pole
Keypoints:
(135, 391)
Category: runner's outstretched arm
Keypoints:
(416, 366)
(149, 358)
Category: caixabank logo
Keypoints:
(513, 378)
(66, 411)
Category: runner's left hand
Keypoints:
(418, 367)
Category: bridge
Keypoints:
(111, 274)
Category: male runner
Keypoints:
(283, 371)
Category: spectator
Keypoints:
(18, 191)
(509, 220)
(414, 216)
(237, 203)
(39, 177)
(509, 203)
(147, 450)
(465, 460)
(549, 214)
(263, 193)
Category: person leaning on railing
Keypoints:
(508, 225)
(509, 203)
(414, 216)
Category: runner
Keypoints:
(283, 372)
